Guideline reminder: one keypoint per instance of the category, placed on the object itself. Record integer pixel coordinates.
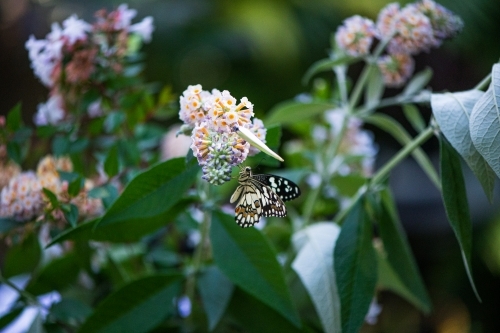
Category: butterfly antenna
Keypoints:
(258, 165)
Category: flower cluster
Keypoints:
(407, 31)
(78, 56)
(356, 36)
(211, 118)
(23, 198)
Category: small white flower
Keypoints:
(373, 312)
(125, 16)
(335, 118)
(144, 29)
(75, 29)
(313, 180)
(184, 306)
(49, 112)
(94, 109)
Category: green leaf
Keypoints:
(456, 204)
(52, 197)
(374, 89)
(111, 163)
(255, 316)
(113, 121)
(56, 275)
(149, 197)
(70, 212)
(14, 152)
(129, 152)
(7, 224)
(314, 265)
(10, 316)
(75, 186)
(413, 115)
(215, 290)
(107, 193)
(392, 127)
(246, 258)
(23, 257)
(293, 112)
(78, 145)
(129, 231)
(70, 310)
(136, 307)
(60, 145)
(355, 268)
(399, 256)
(452, 112)
(324, 65)
(14, 119)
(419, 81)
(485, 122)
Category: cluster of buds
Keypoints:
(213, 119)
(23, 198)
(78, 56)
(407, 31)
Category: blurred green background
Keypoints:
(260, 49)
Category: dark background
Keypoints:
(260, 49)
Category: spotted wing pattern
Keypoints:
(256, 196)
(285, 188)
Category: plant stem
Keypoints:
(402, 154)
(202, 247)
(360, 84)
(24, 294)
(483, 83)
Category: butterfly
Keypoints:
(261, 195)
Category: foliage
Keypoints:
(124, 230)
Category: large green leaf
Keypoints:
(70, 310)
(355, 268)
(23, 257)
(314, 265)
(399, 256)
(215, 290)
(256, 316)
(56, 275)
(136, 307)
(485, 122)
(293, 112)
(151, 194)
(452, 112)
(122, 232)
(456, 204)
(247, 259)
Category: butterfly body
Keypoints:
(261, 195)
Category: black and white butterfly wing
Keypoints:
(254, 200)
(285, 188)
(261, 195)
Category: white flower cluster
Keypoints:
(22, 198)
(76, 49)
(212, 118)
